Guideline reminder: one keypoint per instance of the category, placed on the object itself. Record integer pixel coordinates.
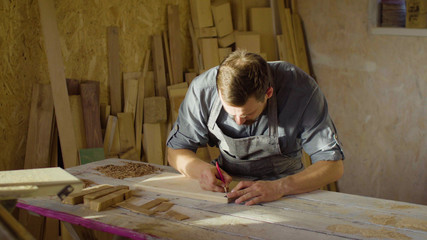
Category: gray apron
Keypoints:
(256, 157)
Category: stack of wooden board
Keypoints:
(99, 197)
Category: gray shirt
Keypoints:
(302, 112)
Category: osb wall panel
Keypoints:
(376, 90)
(83, 27)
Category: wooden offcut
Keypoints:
(58, 82)
(250, 41)
(110, 199)
(159, 65)
(155, 110)
(154, 203)
(201, 13)
(209, 49)
(40, 129)
(127, 131)
(112, 137)
(221, 11)
(114, 72)
(205, 32)
(140, 105)
(177, 215)
(175, 43)
(154, 142)
(130, 95)
(92, 196)
(226, 40)
(91, 113)
(180, 185)
(76, 198)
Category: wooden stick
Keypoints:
(58, 82)
(140, 105)
(114, 74)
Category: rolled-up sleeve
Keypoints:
(190, 129)
(319, 136)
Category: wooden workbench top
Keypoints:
(315, 215)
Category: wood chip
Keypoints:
(177, 215)
(135, 208)
(128, 170)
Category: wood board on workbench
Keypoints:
(180, 185)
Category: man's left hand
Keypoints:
(254, 192)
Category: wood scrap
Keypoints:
(154, 142)
(140, 105)
(130, 95)
(201, 13)
(221, 12)
(154, 203)
(155, 110)
(135, 208)
(89, 197)
(127, 170)
(114, 72)
(78, 120)
(73, 86)
(76, 198)
(106, 201)
(127, 131)
(176, 215)
(91, 113)
(58, 83)
(159, 65)
(175, 44)
(163, 207)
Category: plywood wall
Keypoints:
(83, 27)
(376, 87)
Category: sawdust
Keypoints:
(127, 170)
(411, 223)
(367, 233)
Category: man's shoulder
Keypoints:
(206, 79)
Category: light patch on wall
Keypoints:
(353, 62)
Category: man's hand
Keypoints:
(210, 180)
(254, 192)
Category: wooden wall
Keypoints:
(83, 27)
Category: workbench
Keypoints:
(315, 215)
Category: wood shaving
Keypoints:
(127, 170)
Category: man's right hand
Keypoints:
(210, 180)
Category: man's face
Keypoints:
(246, 114)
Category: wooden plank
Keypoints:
(89, 155)
(127, 131)
(91, 113)
(221, 12)
(158, 65)
(154, 203)
(300, 43)
(112, 139)
(155, 110)
(58, 82)
(209, 49)
(110, 199)
(250, 41)
(286, 33)
(149, 89)
(40, 129)
(140, 105)
(201, 14)
(179, 185)
(176, 215)
(114, 71)
(51, 230)
(176, 96)
(135, 208)
(153, 143)
(175, 44)
(38, 182)
(105, 112)
(291, 35)
(130, 94)
(261, 21)
(163, 207)
(168, 57)
(197, 62)
(76, 198)
(78, 120)
(73, 86)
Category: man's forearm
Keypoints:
(186, 162)
(314, 177)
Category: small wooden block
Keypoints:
(110, 199)
(155, 110)
(154, 142)
(163, 207)
(154, 203)
(126, 131)
(250, 41)
(177, 215)
(89, 197)
(201, 13)
(226, 40)
(221, 11)
(209, 49)
(76, 198)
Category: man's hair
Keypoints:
(242, 75)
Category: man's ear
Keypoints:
(269, 92)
